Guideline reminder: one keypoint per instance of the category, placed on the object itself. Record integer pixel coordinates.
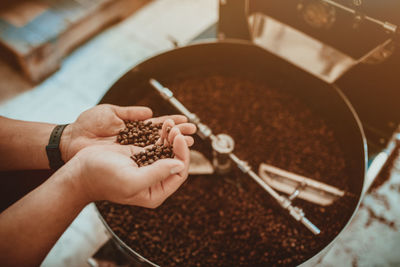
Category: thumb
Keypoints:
(158, 171)
(181, 149)
(132, 112)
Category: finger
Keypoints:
(132, 113)
(168, 124)
(187, 128)
(181, 149)
(172, 134)
(161, 169)
(176, 118)
(189, 141)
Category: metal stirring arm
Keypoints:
(205, 132)
(202, 130)
(285, 203)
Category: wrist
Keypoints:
(72, 178)
(65, 143)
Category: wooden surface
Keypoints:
(36, 35)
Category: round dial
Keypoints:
(318, 15)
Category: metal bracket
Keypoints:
(233, 19)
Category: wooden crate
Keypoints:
(36, 35)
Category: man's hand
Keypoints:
(100, 126)
(96, 168)
(31, 226)
(108, 173)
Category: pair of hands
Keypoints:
(102, 169)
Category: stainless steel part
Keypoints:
(323, 61)
(317, 14)
(199, 164)
(222, 146)
(204, 130)
(381, 159)
(297, 186)
(387, 26)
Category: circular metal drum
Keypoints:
(275, 113)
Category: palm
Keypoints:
(117, 178)
(101, 124)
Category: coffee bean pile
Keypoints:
(228, 220)
(152, 154)
(139, 133)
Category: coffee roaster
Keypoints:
(354, 45)
(339, 57)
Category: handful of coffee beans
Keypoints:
(143, 134)
(139, 133)
(153, 154)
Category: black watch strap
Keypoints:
(53, 148)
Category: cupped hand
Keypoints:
(101, 124)
(107, 172)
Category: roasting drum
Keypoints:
(232, 55)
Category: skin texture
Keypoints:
(20, 148)
(97, 168)
(23, 144)
(101, 124)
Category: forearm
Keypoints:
(30, 227)
(23, 144)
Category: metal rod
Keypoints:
(295, 212)
(169, 96)
(384, 24)
(205, 132)
(303, 180)
(333, 3)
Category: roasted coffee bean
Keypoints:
(148, 156)
(139, 133)
(214, 220)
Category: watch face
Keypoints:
(318, 14)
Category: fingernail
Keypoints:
(177, 169)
